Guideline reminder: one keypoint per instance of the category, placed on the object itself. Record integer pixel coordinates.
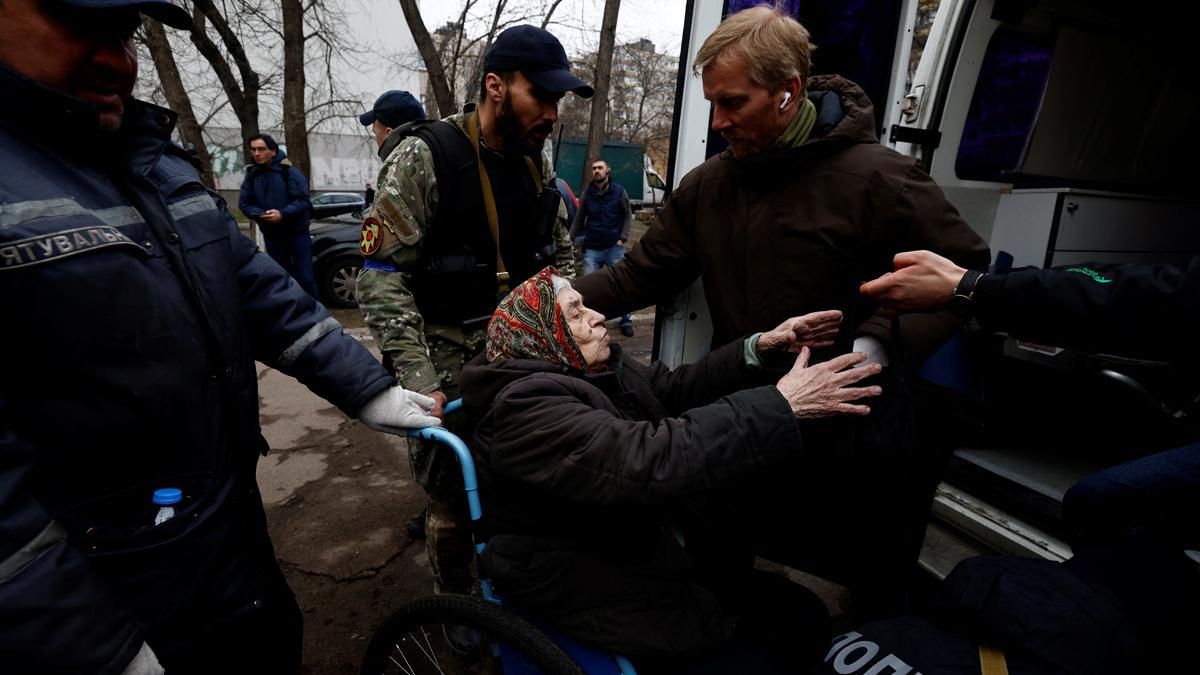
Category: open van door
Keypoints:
(653, 187)
(1059, 130)
(1066, 95)
(867, 41)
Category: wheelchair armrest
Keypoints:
(465, 462)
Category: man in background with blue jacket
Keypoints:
(275, 195)
(603, 222)
(135, 311)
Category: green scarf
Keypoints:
(799, 129)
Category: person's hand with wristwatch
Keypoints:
(962, 303)
(925, 282)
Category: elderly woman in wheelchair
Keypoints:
(595, 472)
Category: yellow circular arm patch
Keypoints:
(371, 236)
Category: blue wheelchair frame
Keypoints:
(592, 661)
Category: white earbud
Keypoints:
(787, 98)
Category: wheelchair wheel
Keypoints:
(462, 634)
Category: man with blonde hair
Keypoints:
(803, 206)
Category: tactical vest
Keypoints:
(454, 280)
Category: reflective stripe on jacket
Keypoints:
(134, 311)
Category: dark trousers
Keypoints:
(293, 252)
(860, 524)
(1159, 493)
(781, 627)
(1129, 526)
(265, 637)
(239, 614)
(595, 259)
(852, 503)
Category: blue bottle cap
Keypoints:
(168, 496)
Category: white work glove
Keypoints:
(396, 410)
(873, 347)
(144, 663)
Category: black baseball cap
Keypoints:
(392, 109)
(165, 11)
(539, 56)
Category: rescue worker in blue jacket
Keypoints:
(134, 311)
(275, 195)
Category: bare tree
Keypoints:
(473, 82)
(243, 93)
(295, 122)
(550, 12)
(604, 58)
(429, 53)
(645, 96)
(334, 50)
(574, 112)
(455, 48)
(460, 44)
(641, 98)
(234, 67)
(155, 39)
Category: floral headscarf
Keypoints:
(529, 325)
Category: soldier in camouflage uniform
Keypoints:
(417, 313)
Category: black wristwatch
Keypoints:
(962, 303)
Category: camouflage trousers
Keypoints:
(448, 540)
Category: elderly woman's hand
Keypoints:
(815, 330)
(824, 390)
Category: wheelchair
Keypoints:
(453, 633)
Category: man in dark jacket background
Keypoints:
(603, 222)
(275, 195)
(146, 309)
(803, 206)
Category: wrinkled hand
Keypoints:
(815, 330)
(272, 216)
(923, 282)
(824, 389)
(439, 405)
(144, 663)
(395, 410)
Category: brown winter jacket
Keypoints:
(795, 231)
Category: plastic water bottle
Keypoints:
(166, 498)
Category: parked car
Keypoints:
(337, 203)
(336, 259)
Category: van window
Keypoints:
(1011, 80)
(1090, 104)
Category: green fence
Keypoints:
(626, 160)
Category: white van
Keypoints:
(1059, 130)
